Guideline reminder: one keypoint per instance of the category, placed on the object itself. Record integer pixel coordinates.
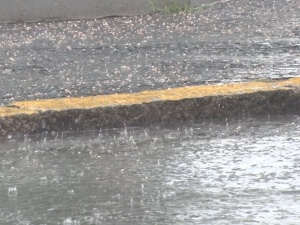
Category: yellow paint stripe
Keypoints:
(10, 111)
(160, 95)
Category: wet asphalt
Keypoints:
(229, 42)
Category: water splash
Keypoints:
(70, 221)
(12, 192)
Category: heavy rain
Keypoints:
(210, 171)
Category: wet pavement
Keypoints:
(232, 41)
(208, 172)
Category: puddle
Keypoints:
(208, 172)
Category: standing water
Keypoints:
(209, 172)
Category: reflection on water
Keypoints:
(210, 172)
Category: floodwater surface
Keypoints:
(206, 172)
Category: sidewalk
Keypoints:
(235, 41)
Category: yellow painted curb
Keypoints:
(149, 107)
(12, 111)
(174, 94)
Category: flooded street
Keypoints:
(226, 171)
(207, 172)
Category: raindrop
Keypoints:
(12, 191)
(186, 132)
(143, 189)
(43, 124)
(131, 202)
(43, 181)
(71, 192)
(146, 134)
(192, 131)
(125, 131)
(67, 221)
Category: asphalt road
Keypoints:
(232, 41)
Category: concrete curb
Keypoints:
(238, 100)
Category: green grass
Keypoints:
(172, 7)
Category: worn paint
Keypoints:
(174, 94)
(12, 111)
